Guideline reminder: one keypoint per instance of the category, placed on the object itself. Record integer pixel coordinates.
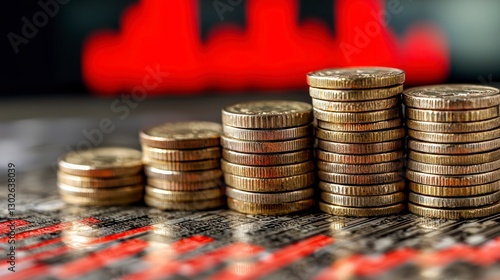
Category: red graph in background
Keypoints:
(273, 51)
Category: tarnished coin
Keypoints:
(183, 176)
(338, 210)
(267, 114)
(270, 198)
(181, 155)
(102, 162)
(451, 116)
(269, 209)
(101, 193)
(269, 184)
(267, 171)
(454, 214)
(453, 169)
(359, 159)
(452, 180)
(455, 137)
(361, 137)
(184, 196)
(452, 97)
(453, 148)
(267, 134)
(355, 77)
(91, 201)
(183, 165)
(204, 204)
(261, 147)
(360, 168)
(363, 117)
(183, 186)
(182, 135)
(355, 94)
(363, 149)
(358, 127)
(466, 159)
(354, 179)
(454, 202)
(459, 127)
(362, 190)
(466, 191)
(267, 159)
(363, 201)
(91, 182)
(357, 106)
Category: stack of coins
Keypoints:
(267, 157)
(360, 138)
(454, 155)
(101, 177)
(182, 165)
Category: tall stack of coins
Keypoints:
(360, 137)
(182, 165)
(267, 159)
(101, 177)
(454, 150)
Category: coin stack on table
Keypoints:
(267, 158)
(454, 150)
(360, 138)
(182, 165)
(101, 177)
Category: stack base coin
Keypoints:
(269, 209)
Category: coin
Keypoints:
(455, 137)
(355, 77)
(270, 198)
(102, 162)
(183, 186)
(454, 202)
(372, 126)
(362, 190)
(361, 212)
(451, 116)
(455, 191)
(269, 209)
(359, 159)
(467, 159)
(368, 148)
(181, 155)
(360, 168)
(182, 135)
(101, 193)
(453, 169)
(267, 114)
(363, 201)
(364, 117)
(182, 165)
(267, 171)
(183, 176)
(91, 182)
(261, 147)
(204, 204)
(355, 94)
(453, 127)
(452, 97)
(267, 159)
(269, 184)
(354, 179)
(452, 180)
(454, 214)
(184, 196)
(267, 134)
(361, 137)
(453, 148)
(357, 106)
(90, 201)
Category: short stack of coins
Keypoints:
(453, 150)
(360, 140)
(267, 158)
(182, 165)
(101, 177)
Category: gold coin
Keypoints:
(101, 193)
(451, 116)
(183, 165)
(183, 176)
(261, 147)
(455, 214)
(181, 155)
(358, 127)
(364, 117)
(357, 106)
(359, 159)
(91, 182)
(466, 191)
(358, 190)
(455, 137)
(267, 159)
(453, 148)
(361, 212)
(363, 201)
(90, 201)
(355, 94)
(354, 179)
(270, 198)
(183, 186)
(361, 137)
(467, 159)
(205, 204)
(184, 196)
(267, 134)
(369, 148)
(454, 202)
(453, 127)
(452, 97)
(269, 209)
(182, 135)
(453, 169)
(360, 168)
(267, 114)
(102, 162)
(267, 171)
(452, 180)
(355, 77)
(269, 184)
